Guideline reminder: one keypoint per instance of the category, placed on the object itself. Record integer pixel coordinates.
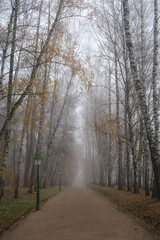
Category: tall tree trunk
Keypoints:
(10, 85)
(110, 137)
(32, 175)
(139, 175)
(132, 146)
(127, 119)
(30, 143)
(5, 52)
(146, 159)
(145, 150)
(156, 187)
(46, 164)
(20, 154)
(135, 170)
(119, 142)
(16, 190)
(29, 154)
(7, 130)
(154, 76)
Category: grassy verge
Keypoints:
(11, 211)
(145, 209)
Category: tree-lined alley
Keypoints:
(56, 55)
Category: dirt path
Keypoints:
(78, 213)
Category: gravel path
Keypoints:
(78, 213)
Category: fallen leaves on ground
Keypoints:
(143, 208)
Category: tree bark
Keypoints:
(110, 141)
(5, 52)
(10, 85)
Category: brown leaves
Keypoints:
(144, 208)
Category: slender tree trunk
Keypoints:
(29, 155)
(135, 170)
(14, 158)
(128, 168)
(10, 86)
(146, 150)
(7, 130)
(156, 183)
(154, 188)
(16, 190)
(154, 76)
(5, 52)
(139, 175)
(46, 165)
(32, 177)
(30, 143)
(26, 171)
(110, 141)
(40, 131)
(119, 142)
(146, 159)
(127, 119)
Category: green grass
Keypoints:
(145, 209)
(12, 210)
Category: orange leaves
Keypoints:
(55, 97)
(69, 58)
(93, 13)
(56, 84)
(20, 84)
(79, 5)
(87, 125)
(107, 125)
(55, 88)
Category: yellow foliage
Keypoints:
(56, 84)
